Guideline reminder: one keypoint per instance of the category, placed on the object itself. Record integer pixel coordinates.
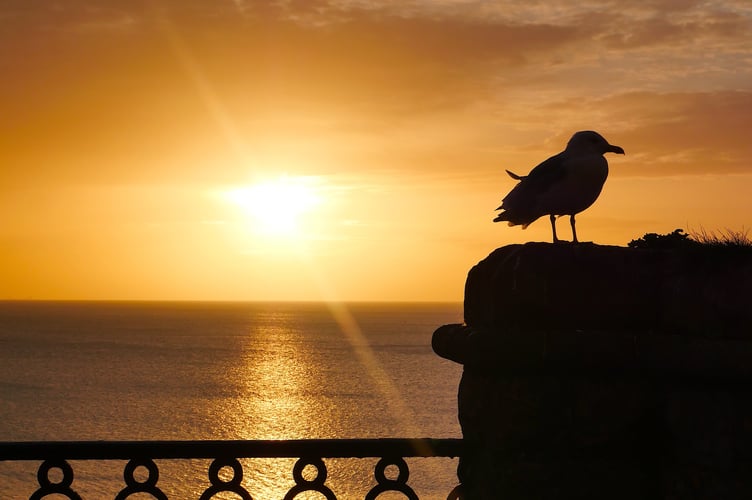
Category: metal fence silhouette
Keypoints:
(55, 474)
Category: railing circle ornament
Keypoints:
(48, 487)
(302, 463)
(133, 465)
(232, 485)
(43, 474)
(219, 464)
(133, 485)
(385, 484)
(316, 484)
(403, 472)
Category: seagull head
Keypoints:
(589, 141)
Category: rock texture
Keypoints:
(605, 372)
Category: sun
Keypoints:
(277, 207)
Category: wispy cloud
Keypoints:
(406, 84)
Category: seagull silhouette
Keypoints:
(565, 184)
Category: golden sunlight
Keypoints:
(276, 207)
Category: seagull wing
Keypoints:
(538, 181)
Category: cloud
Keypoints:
(688, 132)
(663, 133)
(670, 28)
(402, 84)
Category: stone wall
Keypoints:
(605, 372)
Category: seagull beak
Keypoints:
(614, 149)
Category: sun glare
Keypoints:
(277, 207)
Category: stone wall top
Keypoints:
(589, 287)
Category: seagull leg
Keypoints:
(574, 233)
(553, 227)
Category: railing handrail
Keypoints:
(294, 448)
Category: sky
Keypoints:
(348, 149)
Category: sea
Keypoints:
(215, 370)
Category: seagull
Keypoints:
(565, 184)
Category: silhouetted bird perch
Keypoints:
(565, 184)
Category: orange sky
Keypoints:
(130, 133)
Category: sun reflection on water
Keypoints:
(273, 383)
(273, 377)
(284, 383)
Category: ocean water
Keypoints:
(152, 371)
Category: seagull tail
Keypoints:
(515, 176)
(515, 218)
(504, 217)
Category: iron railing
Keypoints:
(55, 456)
